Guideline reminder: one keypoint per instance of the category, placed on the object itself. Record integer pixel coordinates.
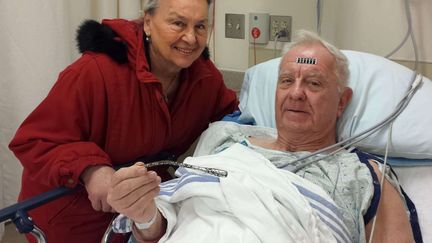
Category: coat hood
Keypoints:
(120, 39)
(95, 37)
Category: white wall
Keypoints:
(233, 54)
(378, 26)
(375, 26)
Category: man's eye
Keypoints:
(314, 83)
(179, 24)
(286, 81)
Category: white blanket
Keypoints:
(256, 202)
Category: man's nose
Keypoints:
(297, 91)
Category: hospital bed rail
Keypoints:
(17, 213)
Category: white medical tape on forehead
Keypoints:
(306, 60)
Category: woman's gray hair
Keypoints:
(151, 5)
(304, 37)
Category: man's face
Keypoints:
(308, 99)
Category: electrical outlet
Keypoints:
(280, 24)
(235, 26)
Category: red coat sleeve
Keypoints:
(60, 138)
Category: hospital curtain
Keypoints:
(37, 42)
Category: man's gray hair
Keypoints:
(304, 37)
(151, 5)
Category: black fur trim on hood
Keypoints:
(93, 36)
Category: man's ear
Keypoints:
(344, 100)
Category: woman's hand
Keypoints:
(132, 192)
(97, 181)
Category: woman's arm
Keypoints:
(61, 137)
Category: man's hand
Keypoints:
(132, 192)
(97, 180)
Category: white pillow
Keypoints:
(378, 85)
(257, 95)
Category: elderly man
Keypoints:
(311, 94)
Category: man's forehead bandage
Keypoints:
(306, 60)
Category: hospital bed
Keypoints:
(378, 84)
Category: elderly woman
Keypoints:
(139, 89)
(311, 94)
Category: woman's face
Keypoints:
(178, 32)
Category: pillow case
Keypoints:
(378, 85)
(257, 95)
